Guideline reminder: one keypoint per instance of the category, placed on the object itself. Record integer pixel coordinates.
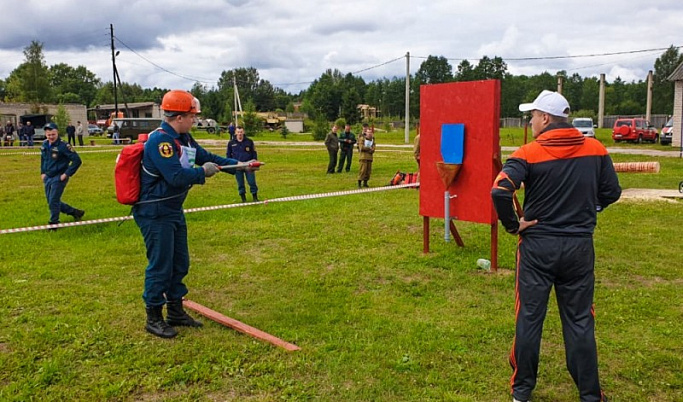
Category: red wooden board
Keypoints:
(477, 105)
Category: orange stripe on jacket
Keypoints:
(513, 358)
(565, 143)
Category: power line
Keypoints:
(592, 55)
(379, 65)
(353, 72)
(564, 57)
(202, 80)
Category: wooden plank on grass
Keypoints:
(238, 326)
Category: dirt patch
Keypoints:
(646, 194)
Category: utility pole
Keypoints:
(648, 106)
(113, 64)
(407, 124)
(234, 97)
(601, 102)
(238, 101)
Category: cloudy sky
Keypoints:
(174, 43)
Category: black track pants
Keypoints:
(567, 263)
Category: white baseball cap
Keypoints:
(549, 102)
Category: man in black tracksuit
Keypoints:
(567, 179)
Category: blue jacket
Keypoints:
(58, 158)
(242, 151)
(163, 180)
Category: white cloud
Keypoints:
(296, 41)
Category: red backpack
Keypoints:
(127, 173)
(127, 170)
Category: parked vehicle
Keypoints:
(635, 130)
(210, 125)
(585, 125)
(667, 132)
(94, 129)
(132, 127)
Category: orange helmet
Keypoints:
(177, 102)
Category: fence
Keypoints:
(657, 120)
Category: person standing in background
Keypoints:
(332, 145)
(71, 134)
(346, 141)
(366, 148)
(29, 132)
(416, 149)
(79, 133)
(20, 133)
(242, 149)
(231, 130)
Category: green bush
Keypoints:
(320, 128)
(62, 118)
(251, 122)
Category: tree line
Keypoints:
(336, 95)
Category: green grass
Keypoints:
(344, 278)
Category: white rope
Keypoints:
(94, 151)
(215, 207)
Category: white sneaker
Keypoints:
(517, 400)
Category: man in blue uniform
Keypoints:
(242, 149)
(568, 178)
(58, 162)
(168, 172)
(231, 130)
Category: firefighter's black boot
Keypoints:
(243, 197)
(156, 324)
(255, 197)
(365, 183)
(78, 215)
(177, 317)
(359, 183)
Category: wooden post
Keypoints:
(456, 235)
(425, 235)
(494, 247)
(238, 326)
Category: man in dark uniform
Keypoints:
(332, 145)
(20, 133)
(242, 149)
(231, 130)
(71, 134)
(58, 162)
(168, 172)
(568, 178)
(29, 132)
(346, 141)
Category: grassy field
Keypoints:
(344, 278)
